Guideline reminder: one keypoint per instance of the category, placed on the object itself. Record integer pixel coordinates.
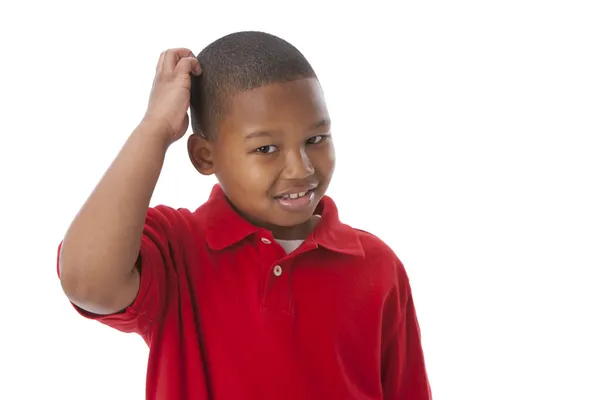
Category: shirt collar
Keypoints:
(226, 227)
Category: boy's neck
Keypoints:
(298, 232)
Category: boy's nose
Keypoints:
(298, 165)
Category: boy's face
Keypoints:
(273, 155)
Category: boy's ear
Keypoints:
(200, 151)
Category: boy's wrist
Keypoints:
(154, 131)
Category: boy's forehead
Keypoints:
(294, 102)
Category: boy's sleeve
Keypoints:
(404, 375)
(154, 261)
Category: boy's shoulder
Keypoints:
(376, 250)
(375, 256)
(373, 244)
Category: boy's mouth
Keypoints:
(296, 201)
(296, 192)
(294, 196)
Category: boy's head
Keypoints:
(261, 126)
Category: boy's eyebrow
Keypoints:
(259, 134)
(321, 123)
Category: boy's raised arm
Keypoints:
(100, 249)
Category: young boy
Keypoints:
(261, 293)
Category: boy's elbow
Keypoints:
(99, 296)
(80, 291)
(74, 280)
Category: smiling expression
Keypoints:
(273, 155)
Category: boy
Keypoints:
(261, 293)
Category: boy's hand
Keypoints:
(170, 95)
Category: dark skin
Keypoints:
(98, 256)
(274, 139)
(99, 252)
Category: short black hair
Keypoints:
(239, 62)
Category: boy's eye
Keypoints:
(266, 149)
(316, 139)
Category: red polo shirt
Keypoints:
(227, 314)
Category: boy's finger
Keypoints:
(173, 56)
(187, 65)
(160, 62)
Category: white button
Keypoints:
(265, 241)
(277, 270)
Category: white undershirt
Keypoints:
(291, 245)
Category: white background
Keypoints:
(467, 135)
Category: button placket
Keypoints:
(277, 292)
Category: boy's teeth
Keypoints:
(294, 195)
